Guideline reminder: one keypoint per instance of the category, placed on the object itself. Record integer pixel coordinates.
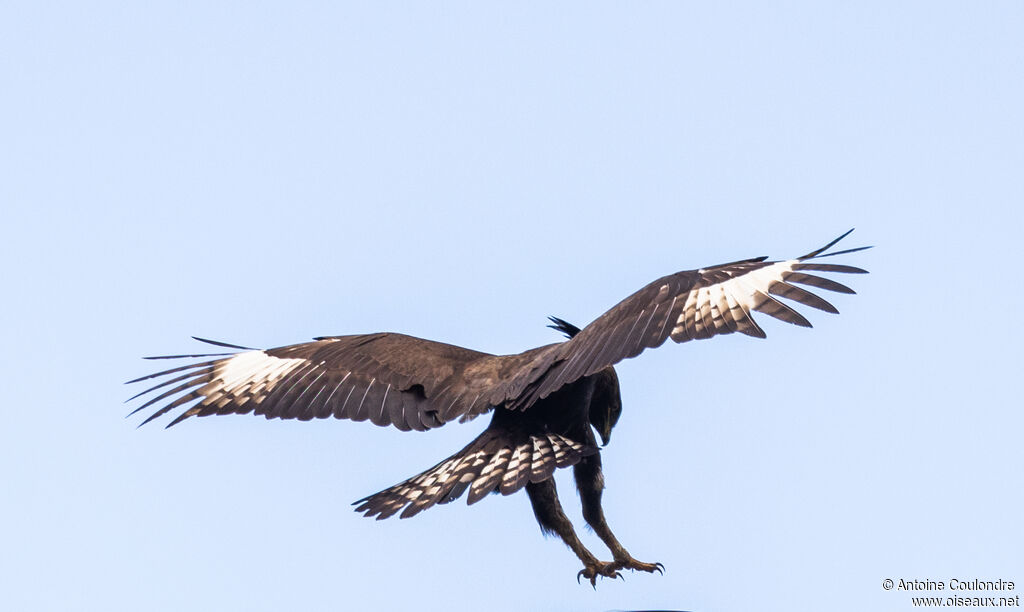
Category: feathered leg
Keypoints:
(590, 484)
(547, 509)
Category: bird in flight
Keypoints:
(549, 405)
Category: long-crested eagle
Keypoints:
(546, 403)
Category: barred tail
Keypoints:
(497, 461)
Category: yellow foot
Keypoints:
(599, 568)
(632, 564)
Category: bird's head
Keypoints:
(605, 403)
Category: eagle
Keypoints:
(549, 405)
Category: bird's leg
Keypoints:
(590, 484)
(547, 509)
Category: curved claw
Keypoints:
(592, 579)
(591, 573)
(660, 568)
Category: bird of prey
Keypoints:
(549, 404)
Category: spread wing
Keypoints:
(690, 305)
(411, 383)
(388, 379)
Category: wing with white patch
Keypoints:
(687, 306)
(499, 460)
(388, 379)
(411, 383)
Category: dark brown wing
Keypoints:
(411, 383)
(689, 305)
(388, 379)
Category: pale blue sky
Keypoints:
(262, 173)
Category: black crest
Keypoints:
(564, 326)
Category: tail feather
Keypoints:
(495, 462)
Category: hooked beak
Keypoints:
(606, 436)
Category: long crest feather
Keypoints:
(563, 326)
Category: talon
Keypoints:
(591, 571)
(634, 565)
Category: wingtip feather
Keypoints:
(223, 344)
(819, 252)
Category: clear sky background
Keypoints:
(262, 173)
